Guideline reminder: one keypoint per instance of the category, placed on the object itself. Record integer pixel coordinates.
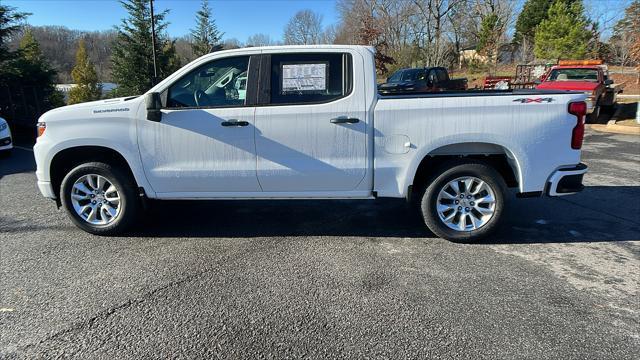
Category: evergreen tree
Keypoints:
(564, 34)
(85, 77)
(9, 24)
(205, 37)
(532, 14)
(491, 28)
(26, 80)
(31, 77)
(132, 56)
(35, 71)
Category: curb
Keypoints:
(612, 127)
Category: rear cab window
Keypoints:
(442, 75)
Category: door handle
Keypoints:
(234, 122)
(344, 120)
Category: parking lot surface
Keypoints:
(327, 279)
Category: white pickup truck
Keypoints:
(306, 122)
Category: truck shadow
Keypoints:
(588, 217)
(618, 112)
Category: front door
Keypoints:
(311, 125)
(205, 140)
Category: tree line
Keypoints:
(404, 33)
(434, 32)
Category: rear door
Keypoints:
(311, 122)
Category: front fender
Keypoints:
(117, 133)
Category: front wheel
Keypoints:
(99, 198)
(464, 203)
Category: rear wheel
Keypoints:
(464, 202)
(99, 198)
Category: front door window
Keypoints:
(220, 83)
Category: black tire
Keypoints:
(129, 206)
(428, 197)
(595, 114)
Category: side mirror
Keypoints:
(537, 81)
(154, 104)
(608, 82)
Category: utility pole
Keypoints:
(153, 45)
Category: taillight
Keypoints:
(41, 128)
(579, 109)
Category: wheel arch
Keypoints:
(68, 158)
(497, 155)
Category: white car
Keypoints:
(6, 142)
(306, 122)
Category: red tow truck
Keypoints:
(589, 76)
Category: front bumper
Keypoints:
(566, 181)
(46, 189)
(590, 106)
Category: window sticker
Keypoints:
(304, 77)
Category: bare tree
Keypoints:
(621, 49)
(259, 40)
(304, 28)
(329, 34)
(433, 18)
(231, 43)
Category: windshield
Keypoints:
(413, 75)
(573, 75)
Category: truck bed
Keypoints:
(531, 127)
(473, 92)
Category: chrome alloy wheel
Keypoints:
(466, 203)
(95, 199)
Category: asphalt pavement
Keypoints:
(327, 279)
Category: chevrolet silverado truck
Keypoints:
(420, 80)
(588, 76)
(306, 122)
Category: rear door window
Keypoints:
(303, 78)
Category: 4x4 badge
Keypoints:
(533, 100)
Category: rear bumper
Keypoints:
(566, 181)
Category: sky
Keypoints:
(236, 18)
